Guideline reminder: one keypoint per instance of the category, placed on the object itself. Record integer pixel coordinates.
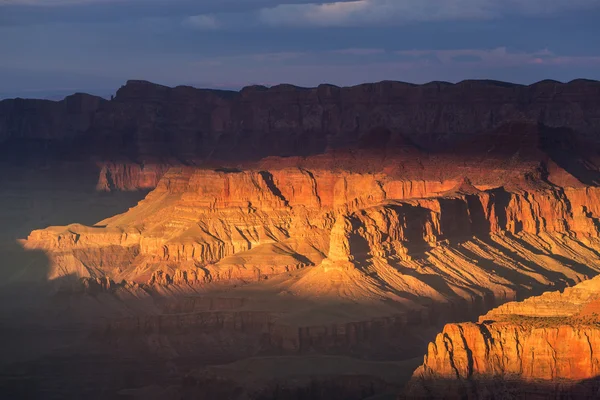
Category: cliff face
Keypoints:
(48, 120)
(129, 176)
(426, 246)
(544, 346)
(146, 122)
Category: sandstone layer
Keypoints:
(391, 250)
(543, 347)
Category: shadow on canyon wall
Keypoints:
(359, 388)
(39, 194)
(50, 352)
(483, 388)
(568, 151)
(33, 326)
(46, 338)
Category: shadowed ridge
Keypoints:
(489, 82)
(550, 82)
(287, 87)
(439, 83)
(147, 122)
(142, 82)
(328, 86)
(473, 82)
(583, 80)
(254, 88)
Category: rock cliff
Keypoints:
(44, 120)
(146, 122)
(427, 251)
(545, 346)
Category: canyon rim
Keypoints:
(378, 241)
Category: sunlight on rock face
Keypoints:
(406, 210)
(548, 341)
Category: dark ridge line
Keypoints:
(66, 98)
(491, 82)
(287, 86)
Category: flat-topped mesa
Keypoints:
(544, 346)
(224, 223)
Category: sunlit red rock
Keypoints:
(383, 230)
(544, 346)
(331, 221)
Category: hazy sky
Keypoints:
(50, 47)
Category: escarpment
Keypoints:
(146, 122)
(423, 245)
(544, 346)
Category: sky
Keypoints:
(50, 48)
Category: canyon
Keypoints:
(287, 242)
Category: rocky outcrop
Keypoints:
(545, 346)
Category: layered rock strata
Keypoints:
(543, 347)
(146, 122)
(428, 204)
(428, 251)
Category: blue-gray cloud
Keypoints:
(299, 13)
(371, 12)
(23, 12)
(230, 43)
(203, 22)
(360, 13)
(466, 58)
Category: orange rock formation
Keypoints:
(368, 237)
(544, 346)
